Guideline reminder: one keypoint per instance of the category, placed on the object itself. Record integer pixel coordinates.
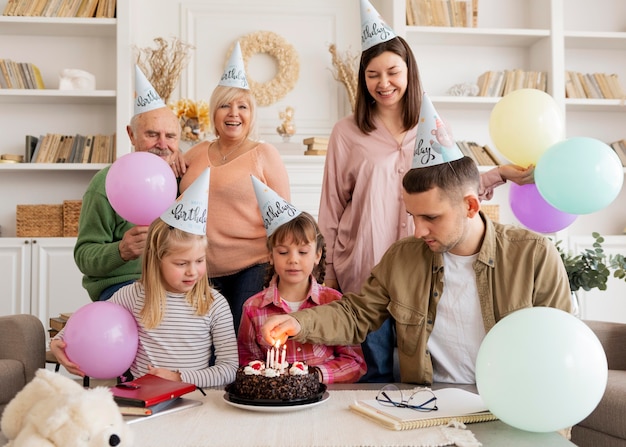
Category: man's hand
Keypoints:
(177, 163)
(517, 174)
(279, 327)
(132, 244)
(58, 349)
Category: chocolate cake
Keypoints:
(295, 382)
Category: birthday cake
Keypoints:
(290, 382)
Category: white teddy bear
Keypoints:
(54, 411)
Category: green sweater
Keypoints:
(100, 230)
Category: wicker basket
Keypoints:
(491, 211)
(71, 213)
(39, 221)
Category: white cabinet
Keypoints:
(99, 46)
(40, 277)
(546, 35)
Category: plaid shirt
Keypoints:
(337, 363)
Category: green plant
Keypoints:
(592, 268)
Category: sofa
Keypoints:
(22, 353)
(606, 425)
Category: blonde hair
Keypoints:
(224, 95)
(302, 229)
(162, 240)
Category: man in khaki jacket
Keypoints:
(446, 287)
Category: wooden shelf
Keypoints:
(55, 96)
(57, 26)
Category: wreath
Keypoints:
(285, 55)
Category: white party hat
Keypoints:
(434, 145)
(275, 210)
(189, 211)
(374, 30)
(235, 71)
(146, 97)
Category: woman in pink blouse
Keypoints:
(361, 210)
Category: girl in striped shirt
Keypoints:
(185, 327)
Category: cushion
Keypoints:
(13, 379)
(608, 417)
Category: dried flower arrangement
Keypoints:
(162, 65)
(346, 71)
(194, 118)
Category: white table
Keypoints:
(331, 423)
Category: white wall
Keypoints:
(213, 26)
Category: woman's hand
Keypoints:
(517, 174)
(177, 164)
(164, 373)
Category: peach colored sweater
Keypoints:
(235, 230)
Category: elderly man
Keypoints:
(108, 247)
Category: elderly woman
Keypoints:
(237, 254)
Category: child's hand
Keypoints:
(279, 327)
(164, 373)
(58, 349)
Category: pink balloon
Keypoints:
(140, 187)
(102, 339)
(534, 212)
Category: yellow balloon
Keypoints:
(524, 124)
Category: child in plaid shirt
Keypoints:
(294, 281)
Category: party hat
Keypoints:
(189, 211)
(374, 30)
(275, 210)
(434, 145)
(235, 72)
(146, 97)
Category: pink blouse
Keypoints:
(235, 230)
(361, 208)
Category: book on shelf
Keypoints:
(312, 140)
(149, 390)
(315, 152)
(57, 323)
(439, 13)
(87, 8)
(30, 144)
(452, 403)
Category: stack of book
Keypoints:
(58, 323)
(500, 83)
(594, 86)
(61, 8)
(315, 145)
(20, 75)
(57, 148)
(620, 149)
(463, 13)
(149, 395)
(482, 155)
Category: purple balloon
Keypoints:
(140, 187)
(534, 212)
(102, 339)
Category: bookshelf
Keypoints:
(101, 46)
(554, 36)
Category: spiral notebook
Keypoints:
(453, 403)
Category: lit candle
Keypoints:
(282, 359)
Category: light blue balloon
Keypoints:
(541, 369)
(579, 175)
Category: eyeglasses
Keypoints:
(422, 399)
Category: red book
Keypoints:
(149, 390)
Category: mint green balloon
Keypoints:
(541, 369)
(579, 175)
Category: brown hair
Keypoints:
(302, 229)
(453, 178)
(412, 100)
(162, 240)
